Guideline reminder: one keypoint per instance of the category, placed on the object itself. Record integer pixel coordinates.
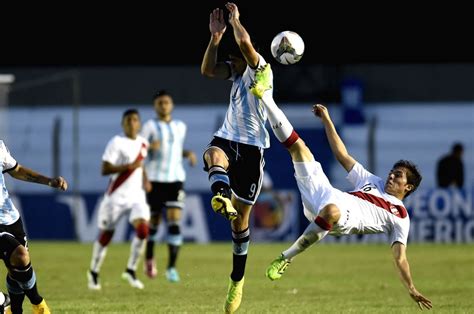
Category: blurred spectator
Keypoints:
(450, 168)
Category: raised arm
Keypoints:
(337, 145)
(26, 174)
(209, 66)
(241, 36)
(400, 258)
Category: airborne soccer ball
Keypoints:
(287, 47)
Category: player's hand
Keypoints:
(155, 145)
(136, 164)
(147, 186)
(59, 183)
(321, 112)
(420, 299)
(192, 158)
(234, 14)
(217, 24)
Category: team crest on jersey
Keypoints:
(394, 210)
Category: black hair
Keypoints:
(160, 93)
(129, 112)
(457, 148)
(413, 174)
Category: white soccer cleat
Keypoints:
(93, 281)
(132, 280)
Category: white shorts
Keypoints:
(317, 192)
(111, 211)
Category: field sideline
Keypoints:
(326, 279)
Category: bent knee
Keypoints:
(215, 156)
(330, 213)
(300, 152)
(20, 257)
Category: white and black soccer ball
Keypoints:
(287, 47)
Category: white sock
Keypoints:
(98, 256)
(312, 234)
(136, 250)
(281, 127)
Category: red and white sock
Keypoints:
(281, 127)
(315, 232)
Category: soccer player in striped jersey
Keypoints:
(123, 161)
(234, 158)
(164, 166)
(374, 206)
(21, 278)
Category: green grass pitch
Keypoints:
(325, 279)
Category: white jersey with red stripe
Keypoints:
(127, 186)
(381, 212)
(367, 209)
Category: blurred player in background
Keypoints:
(234, 158)
(21, 278)
(123, 160)
(450, 168)
(374, 206)
(165, 170)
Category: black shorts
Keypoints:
(245, 168)
(165, 195)
(16, 230)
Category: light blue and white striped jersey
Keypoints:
(165, 164)
(8, 212)
(246, 116)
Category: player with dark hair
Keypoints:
(234, 158)
(450, 168)
(123, 160)
(374, 206)
(21, 278)
(166, 173)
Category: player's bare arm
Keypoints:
(26, 174)
(400, 258)
(108, 168)
(210, 67)
(155, 145)
(146, 183)
(191, 156)
(337, 145)
(241, 36)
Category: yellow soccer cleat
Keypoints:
(276, 269)
(41, 308)
(262, 82)
(234, 295)
(223, 206)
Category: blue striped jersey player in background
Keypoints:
(166, 173)
(21, 278)
(234, 158)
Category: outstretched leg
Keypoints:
(300, 153)
(315, 232)
(281, 127)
